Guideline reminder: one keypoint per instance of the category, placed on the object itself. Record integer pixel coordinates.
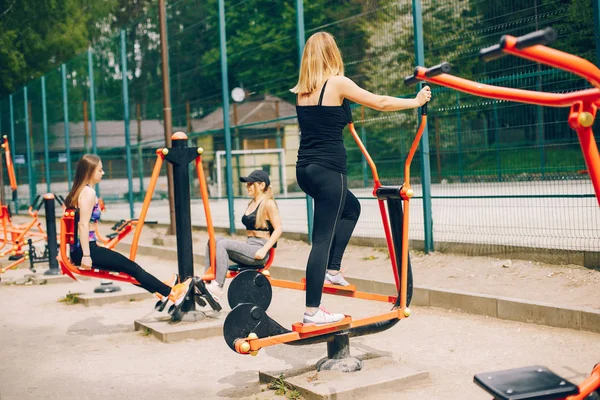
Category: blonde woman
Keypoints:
(263, 229)
(323, 108)
(86, 252)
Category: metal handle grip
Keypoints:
(544, 36)
(443, 68)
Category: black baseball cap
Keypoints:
(258, 175)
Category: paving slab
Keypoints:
(126, 294)
(379, 375)
(41, 279)
(209, 324)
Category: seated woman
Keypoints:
(263, 225)
(87, 254)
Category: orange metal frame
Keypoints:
(67, 227)
(588, 385)
(583, 103)
(9, 164)
(16, 235)
(252, 344)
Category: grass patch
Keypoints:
(70, 299)
(145, 332)
(281, 388)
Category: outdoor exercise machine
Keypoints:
(17, 235)
(536, 382)
(179, 156)
(248, 328)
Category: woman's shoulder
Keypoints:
(88, 193)
(339, 80)
(271, 204)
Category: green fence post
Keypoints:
(363, 137)
(45, 129)
(597, 29)
(301, 40)
(497, 141)
(459, 138)
(279, 145)
(63, 69)
(226, 122)
(126, 119)
(12, 145)
(425, 168)
(93, 107)
(32, 188)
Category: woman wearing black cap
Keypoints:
(263, 227)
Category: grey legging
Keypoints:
(239, 252)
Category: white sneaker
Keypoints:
(337, 279)
(215, 290)
(322, 317)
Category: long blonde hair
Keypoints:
(261, 214)
(83, 173)
(321, 59)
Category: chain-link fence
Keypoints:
(501, 173)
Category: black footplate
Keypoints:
(201, 295)
(529, 383)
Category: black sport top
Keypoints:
(249, 222)
(321, 140)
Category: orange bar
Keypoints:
(377, 184)
(99, 236)
(590, 384)
(555, 58)
(311, 328)
(592, 158)
(212, 244)
(404, 255)
(24, 232)
(9, 164)
(147, 199)
(13, 265)
(4, 239)
(257, 344)
(406, 195)
(413, 150)
(363, 149)
(389, 241)
(122, 233)
(332, 289)
(502, 93)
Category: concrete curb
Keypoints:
(474, 303)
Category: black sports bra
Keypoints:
(249, 222)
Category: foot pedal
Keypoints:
(529, 383)
(160, 305)
(329, 288)
(310, 328)
(199, 300)
(174, 309)
(199, 284)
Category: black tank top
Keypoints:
(321, 139)
(249, 222)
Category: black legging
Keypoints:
(109, 260)
(336, 213)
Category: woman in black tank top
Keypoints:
(323, 108)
